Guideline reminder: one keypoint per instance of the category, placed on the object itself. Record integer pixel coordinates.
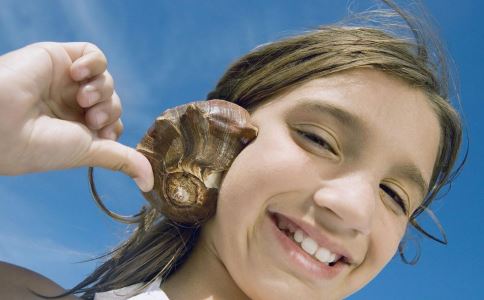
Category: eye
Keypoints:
(316, 139)
(395, 197)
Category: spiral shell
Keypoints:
(189, 148)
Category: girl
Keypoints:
(356, 137)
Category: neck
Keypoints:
(202, 276)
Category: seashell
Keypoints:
(190, 147)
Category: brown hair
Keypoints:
(157, 247)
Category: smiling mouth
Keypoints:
(302, 240)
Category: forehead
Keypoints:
(390, 117)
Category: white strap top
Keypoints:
(151, 292)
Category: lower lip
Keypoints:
(307, 263)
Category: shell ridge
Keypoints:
(189, 148)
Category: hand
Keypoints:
(58, 110)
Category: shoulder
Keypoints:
(17, 282)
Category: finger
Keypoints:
(115, 156)
(104, 113)
(88, 60)
(93, 91)
(112, 131)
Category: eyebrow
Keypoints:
(346, 118)
(411, 172)
(359, 127)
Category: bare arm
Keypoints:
(17, 282)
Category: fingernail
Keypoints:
(89, 88)
(141, 184)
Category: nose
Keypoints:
(352, 199)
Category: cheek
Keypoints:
(384, 242)
(269, 166)
(386, 233)
(272, 164)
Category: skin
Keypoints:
(59, 110)
(338, 193)
(51, 101)
(17, 283)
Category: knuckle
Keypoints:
(116, 104)
(119, 127)
(116, 109)
(108, 79)
(99, 53)
(119, 166)
(90, 47)
(108, 84)
(123, 165)
(95, 53)
(40, 44)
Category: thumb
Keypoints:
(118, 157)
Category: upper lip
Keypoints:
(320, 238)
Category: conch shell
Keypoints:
(189, 147)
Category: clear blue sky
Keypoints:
(163, 53)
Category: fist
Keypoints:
(59, 109)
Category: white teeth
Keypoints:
(299, 236)
(309, 245)
(323, 255)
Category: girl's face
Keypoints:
(339, 162)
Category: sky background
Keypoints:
(164, 53)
